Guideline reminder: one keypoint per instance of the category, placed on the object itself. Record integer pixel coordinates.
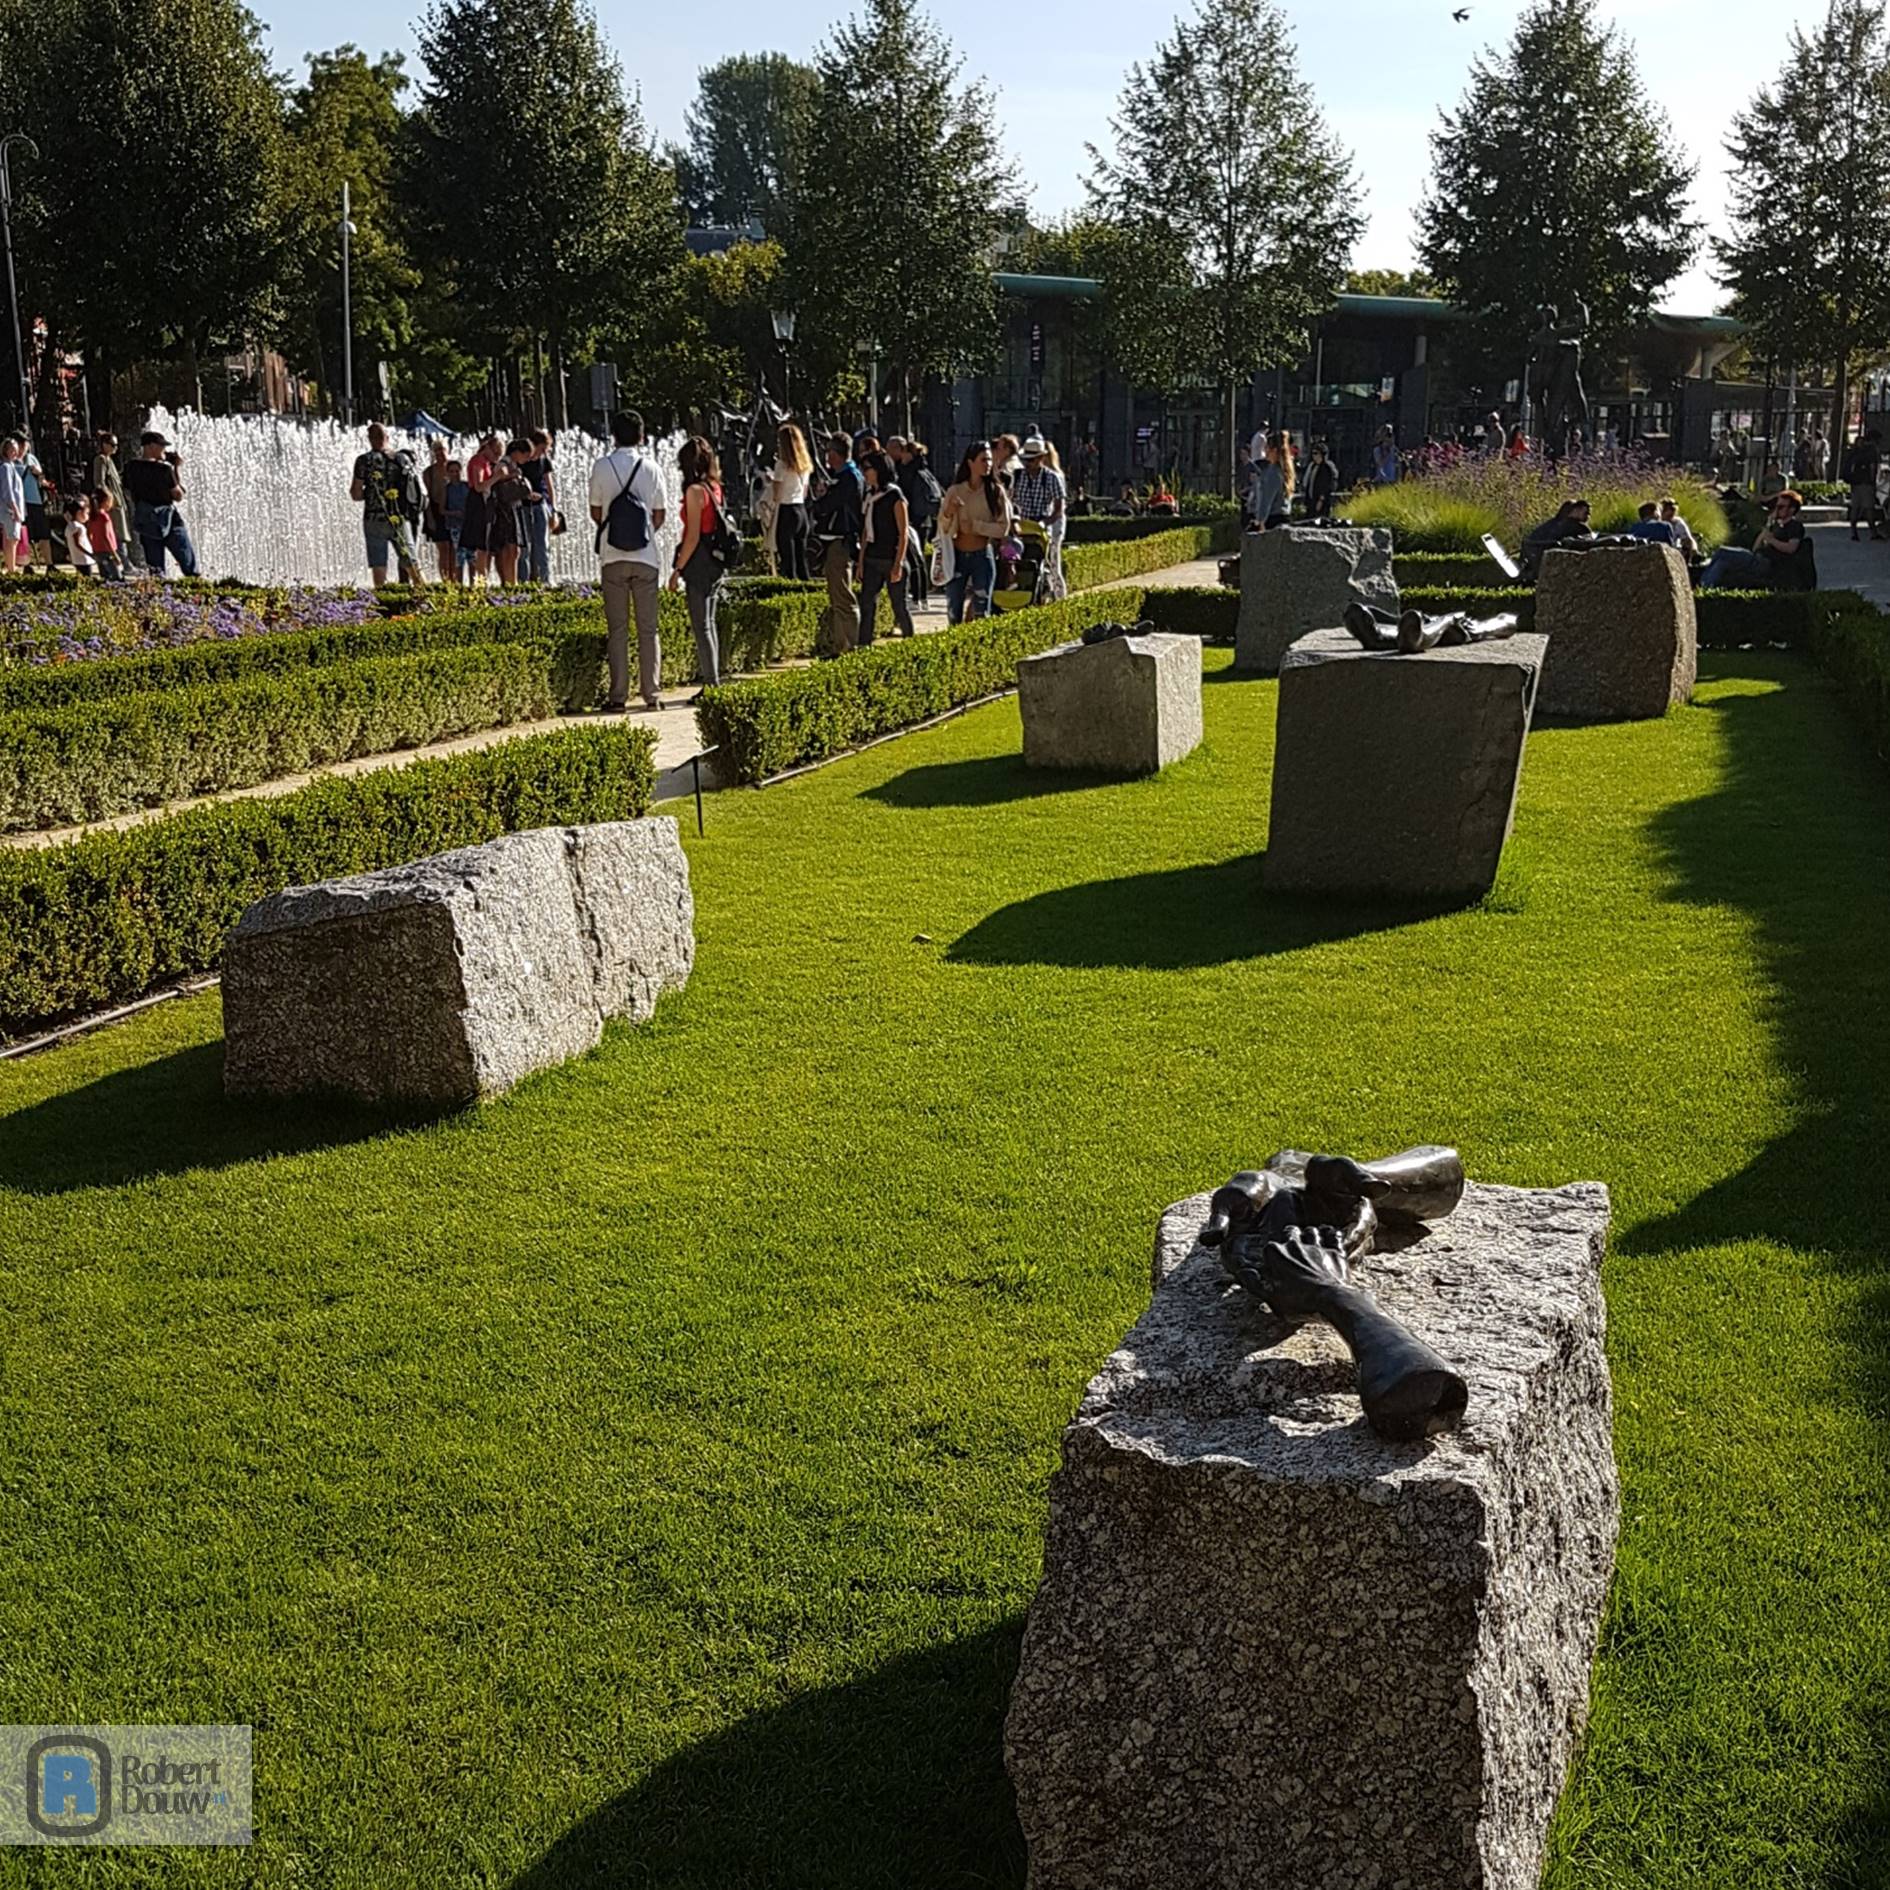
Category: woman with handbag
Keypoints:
(699, 569)
(975, 516)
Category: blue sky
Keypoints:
(1382, 68)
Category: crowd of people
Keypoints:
(859, 520)
(495, 514)
(102, 517)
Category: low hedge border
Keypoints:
(93, 760)
(767, 621)
(1193, 611)
(767, 725)
(1085, 566)
(103, 918)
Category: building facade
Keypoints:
(1375, 360)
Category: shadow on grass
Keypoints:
(164, 1118)
(891, 1779)
(1178, 920)
(983, 782)
(1794, 837)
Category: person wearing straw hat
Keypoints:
(1038, 493)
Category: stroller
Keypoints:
(1023, 568)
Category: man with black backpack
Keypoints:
(386, 486)
(628, 506)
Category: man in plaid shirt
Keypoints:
(1038, 493)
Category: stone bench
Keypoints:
(1271, 1648)
(1623, 638)
(1298, 578)
(1397, 775)
(1128, 706)
(453, 977)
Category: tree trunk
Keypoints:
(562, 376)
(1840, 404)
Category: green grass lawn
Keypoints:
(640, 1480)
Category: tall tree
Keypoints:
(1810, 186)
(1234, 201)
(750, 130)
(150, 226)
(888, 253)
(1556, 178)
(534, 186)
(344, 125)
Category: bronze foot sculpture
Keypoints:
(1411, 632)
(1293, 1247)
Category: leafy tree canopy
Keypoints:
(750, 130)
(1556, 178)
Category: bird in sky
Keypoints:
(1461, 14)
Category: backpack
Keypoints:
(626, 522)
(724, 544)
(933, 491)
(412, 500)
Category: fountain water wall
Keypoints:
(266, 497)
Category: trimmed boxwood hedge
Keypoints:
(1085, 566)
(92, 760)
(769, 724)
(761, 621)
(105, 917)
(1209, 613)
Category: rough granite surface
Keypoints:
(1298, 578)
(1397, 775)
(453, 977)
(1128, 706)
(1271, 1648)
(1623, 637)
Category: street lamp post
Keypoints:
(783, 320)
(347, 316)
(13, 287)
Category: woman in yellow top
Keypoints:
(976, 516)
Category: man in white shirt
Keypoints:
(628, 559)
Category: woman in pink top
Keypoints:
(481, 470)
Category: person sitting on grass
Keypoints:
(1781, 558)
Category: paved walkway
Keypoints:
(1863, 567)
(674, 724)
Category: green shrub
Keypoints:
(1439, 570)
(1726, 619)
(759, 621)
(1450, 510)
(105, 917)
(1203, 611)
(1851, 638)
(193, 665)
(92, 760)
(769, 724)
(1085, 566)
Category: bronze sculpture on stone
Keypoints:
(1290, 1233)
(1410, 632)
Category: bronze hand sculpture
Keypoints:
(1293, 1247)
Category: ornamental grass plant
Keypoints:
(1450, 503)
